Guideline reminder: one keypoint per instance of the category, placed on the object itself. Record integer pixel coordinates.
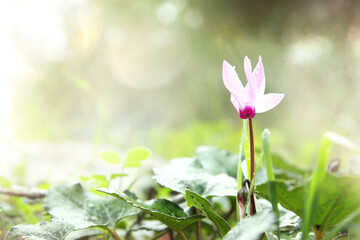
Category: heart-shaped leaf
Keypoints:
(84, 209)
(253, 227)
(54, 230)
(187, 173)
(165, 211)
(111, 157)
(135, 155)
(195, 200)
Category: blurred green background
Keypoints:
(123, 73)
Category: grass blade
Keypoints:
(342, 225)
(317, 179)
(270, 173)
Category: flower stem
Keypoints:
(252, 168)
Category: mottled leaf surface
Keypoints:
(83, 209)
(151, 225)
(217, 161)
(165, 211)
(54, 230)
(253, 227)
(187, 173)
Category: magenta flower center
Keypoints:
(247, 112)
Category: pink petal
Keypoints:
(232, 81)
(259, 77)
(250, 92)
(268, 101)
(250, 95)
(248, 69)
(235, 103)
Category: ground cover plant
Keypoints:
(253, 194)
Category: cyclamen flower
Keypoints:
(249, 100)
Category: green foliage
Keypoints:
(195, 200)
(5, 183)
(30, 213)
(54, 230)
(111, 157)
(338, 228)
(150, 225)
(270, 172)
(83, 209)
(217, 161)
(338, 197)
(165, 211)
(316, 182)
(182, 141)
(135, 155)
(211, 172)
(253, 227)
(187, 173)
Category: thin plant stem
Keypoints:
(161, 234)
(319, 235)
(139, 218)
(114, 234)
(182, 235)
(198, 226)
(239, 173)
(252, 168)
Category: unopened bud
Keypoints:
(334, 165)
(242, 196)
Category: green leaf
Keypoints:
(285, 170)
(83, 209)
(150, 225)
(289, 221)
(290, 196)
(187, 173)
(117, 175)
(335, 231)
(195, 200)
(135, 155)
(270, 171)
(253, 227)
(87, 233)
(337, 199)
(99, 178)
(54, 230)
(111, 157)
(4, 182)
(317, 180)
(212, 160)
(163, 210)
